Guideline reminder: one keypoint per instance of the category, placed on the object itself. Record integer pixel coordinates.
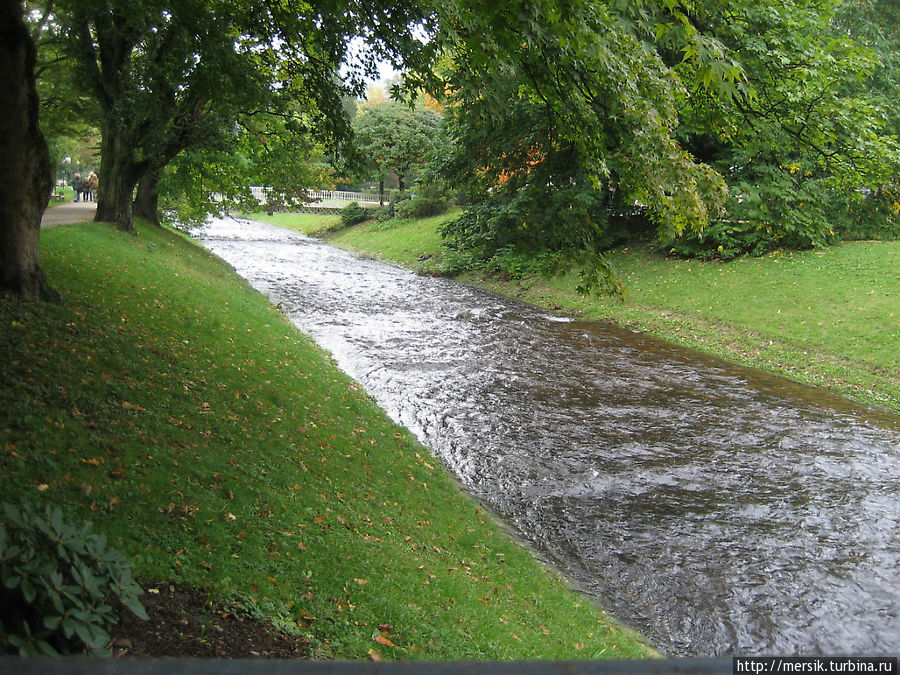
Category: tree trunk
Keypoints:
(118, 178)
(146, 203)
(381, 193)
(25, 177)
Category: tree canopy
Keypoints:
(806, 135)
(170, 76)
(394, 138)
(731, 127)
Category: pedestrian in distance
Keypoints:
(92, 183)
(77, 185)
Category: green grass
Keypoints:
(304, 223)
(414, 243)
(219, 448)
(829, 318)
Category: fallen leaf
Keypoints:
(382, 640)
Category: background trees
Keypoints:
(804, 137)
(731, 127)
(172, 76)
(394, 138)
(557, 111)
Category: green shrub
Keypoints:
(431, 201)
(385, 213)
(353, 213)
(876, 215)
(61, 585)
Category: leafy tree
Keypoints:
(557, 112)
(264, 149)
(876, 24)
(25, 179)
(394, 138)
(168, 76)
(803, 137)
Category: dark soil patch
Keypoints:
(182, 624)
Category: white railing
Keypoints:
(343, 196)
(260, 193)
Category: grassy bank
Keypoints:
(305, 223)
(220, 449)
(828, 318)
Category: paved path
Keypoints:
(70, 212)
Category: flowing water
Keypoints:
(715, 509)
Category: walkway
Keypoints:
(70, 212)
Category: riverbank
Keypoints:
(828, 318)
(223, 453)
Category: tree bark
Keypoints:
(118, 178)
(146, 203)
(25, 176)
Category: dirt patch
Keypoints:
(183, 625)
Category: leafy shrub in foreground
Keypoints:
(59, 585)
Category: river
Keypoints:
(716, 509)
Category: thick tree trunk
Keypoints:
(118, 178)
(146, 203)
(25, 178)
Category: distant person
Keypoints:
(76, 185)
(93, 184)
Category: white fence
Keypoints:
(324, 195)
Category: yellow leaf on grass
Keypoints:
(382, 640)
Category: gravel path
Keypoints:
(70, 212)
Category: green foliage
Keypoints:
(394, 138)
(268, 150)
(353, 214)
(429, 200)
(875, 216)
(60, 585)
(805, 135)
(172, 76)
(561, 115)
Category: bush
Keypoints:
(353, 213)
(59, 585)
(385, 213)
(430, 202)
(876, 215)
